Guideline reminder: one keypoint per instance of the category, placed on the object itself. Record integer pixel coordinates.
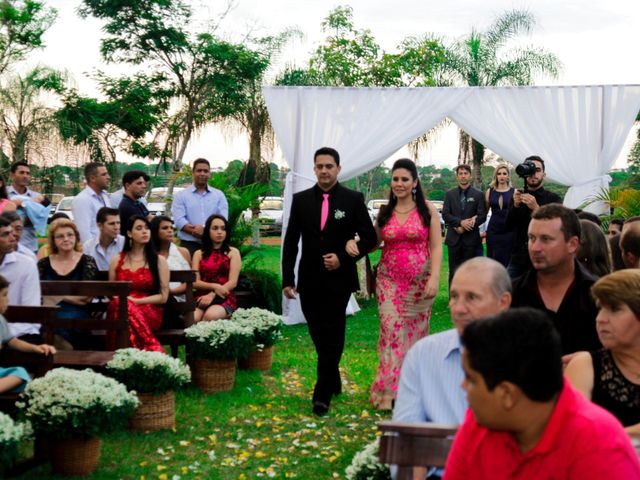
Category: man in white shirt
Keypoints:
(87, 203)
(104, 246)
(24, 282)
(20, 181)
(18, 229)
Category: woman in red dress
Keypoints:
(217, 268)
(148, 273)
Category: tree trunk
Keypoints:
(464, 148)
(477, 158)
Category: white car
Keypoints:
(65, 206)
(156, 200)
(270, 215)
(374, 207)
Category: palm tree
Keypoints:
(485, 59)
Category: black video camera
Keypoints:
(526, 169)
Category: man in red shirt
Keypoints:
(525, 421)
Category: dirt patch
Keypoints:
(270, 241)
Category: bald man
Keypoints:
(630, 243)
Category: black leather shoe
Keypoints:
(337, 391)
(320, 408)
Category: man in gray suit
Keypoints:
(464, 211)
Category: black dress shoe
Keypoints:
(320, 408)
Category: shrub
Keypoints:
(11, 434)
(366, 466)
(219, 340)
(266, 325)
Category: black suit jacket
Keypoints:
(452, 213)
(348, 215)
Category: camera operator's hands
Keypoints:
(517, 198)
(530, 201)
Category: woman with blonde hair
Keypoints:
(66, 262)
(498, 196)
(610, 377)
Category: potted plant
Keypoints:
(70, 409)
(366, 466)
(153, 376)
(213, 348)
(11, 434)
(267, 330)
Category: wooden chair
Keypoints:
(409, 445)
(178, 315)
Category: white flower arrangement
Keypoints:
(69, 403)
(266, 325)
(338, 214)
(148, 372)
(366, 466)
(11, 434)
(219, 340)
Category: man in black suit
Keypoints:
(326, 216)
(464, 210)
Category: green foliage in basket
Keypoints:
(219, 340)
(366, 466)
(148, 372)
(11, 434)
(266, 325)
(69, 403)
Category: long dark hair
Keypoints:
(385, 212)
(155, 229)
(149, 251)
(207, 243)
(3, 188)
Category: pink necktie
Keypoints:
(324, 211)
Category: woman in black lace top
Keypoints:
(610, 377)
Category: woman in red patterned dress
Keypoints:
(217, 268)
(148, 273)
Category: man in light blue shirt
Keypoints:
(192, 206)
(87, 203)
(108, 243)
(429, 388)
(19, 188)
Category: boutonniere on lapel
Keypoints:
(471, 199)
(338, 214)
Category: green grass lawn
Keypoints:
(264, 428)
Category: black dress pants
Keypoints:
(460, 253)
(325, 313)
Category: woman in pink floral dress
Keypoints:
(408, 276)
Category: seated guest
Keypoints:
(178, 258)
(592, 217)
(593, 252)
(14, 379)
(66, 262)
(429, 388)
(104, 246)
(135, 186)
(18, 228)
(148, 273)
(6, 205)
(525, 421)
(218, 268)
(558, 284)
(615, 226)
(630, 244)
(43, 251)
(608, 377)
(24, 284)
(617, 262)
(86, 204)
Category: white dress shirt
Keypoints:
(24, 288)
(93, 248)
(84, 209)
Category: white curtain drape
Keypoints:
(579, 131)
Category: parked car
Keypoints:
(65, 206)
(270, 215)
(439, 204)
(156, 200)
(374, 207)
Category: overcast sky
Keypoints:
(596, 40)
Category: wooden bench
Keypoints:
(96, 359)
(409, 445)
(178, 315)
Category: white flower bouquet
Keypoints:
(266, 325)
(148, 372)
(69, 403)
(366, 466)
(11, 434)
(219, 340)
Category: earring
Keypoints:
(413, 192)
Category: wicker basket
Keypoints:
(74, 456)
(214, 375)
(259, 360)
(155, 412)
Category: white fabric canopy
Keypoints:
(579, 130)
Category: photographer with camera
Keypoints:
(523, 203)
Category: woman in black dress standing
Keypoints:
(498, 196)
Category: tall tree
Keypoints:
(484, 58)
(25, 111)
(22, 24)
(207, 76)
